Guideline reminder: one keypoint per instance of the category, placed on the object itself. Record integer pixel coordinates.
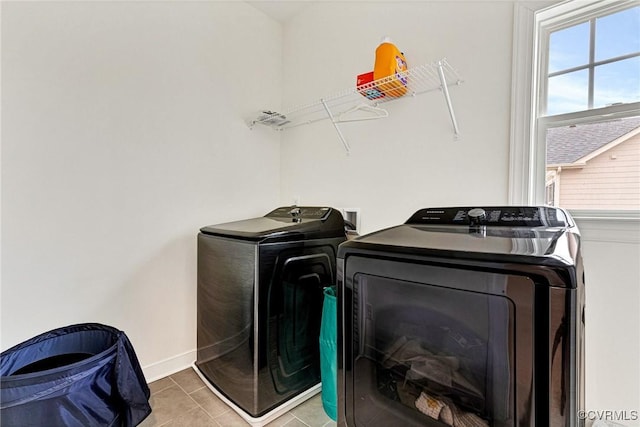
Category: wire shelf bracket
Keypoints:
(363, 102)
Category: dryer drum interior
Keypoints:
(427, 347)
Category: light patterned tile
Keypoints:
(210, 402)
(194, 418)
(150, 421)
(311, 412)
(231, 419)
(167, 405)
(161, 384)
(281, 420)
(188, 380)
(182, 399)
(295, 423)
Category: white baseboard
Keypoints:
(169, 366)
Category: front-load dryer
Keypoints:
(466, 317)
(259, 307)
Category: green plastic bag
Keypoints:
(329, 353)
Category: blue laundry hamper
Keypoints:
(80, 375)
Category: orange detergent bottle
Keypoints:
(391, 66)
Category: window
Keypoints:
(576, 141)
(593, 64)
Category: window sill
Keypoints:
(608, 226)
(600, 215)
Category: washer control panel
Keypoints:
(506, 216)
(300, 212)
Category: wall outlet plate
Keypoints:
(353, 216)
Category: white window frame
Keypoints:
(527, 163)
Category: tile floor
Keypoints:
(183, 400)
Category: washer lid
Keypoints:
(284, 224)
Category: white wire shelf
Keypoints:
(363, 102)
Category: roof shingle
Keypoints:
(567, 144)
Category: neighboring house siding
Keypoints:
(590, 187)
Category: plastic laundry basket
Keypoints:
(329, 353)
(79, 375)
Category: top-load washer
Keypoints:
(259, 307)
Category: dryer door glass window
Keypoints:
(429, 354)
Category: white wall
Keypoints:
(122, 134)
(408, 160)
(611, 252)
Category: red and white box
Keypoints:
(366, 86)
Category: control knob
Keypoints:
(295, 214)
(477, 216)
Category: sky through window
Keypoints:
(582, 76)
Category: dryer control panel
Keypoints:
(505, 216)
